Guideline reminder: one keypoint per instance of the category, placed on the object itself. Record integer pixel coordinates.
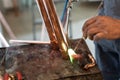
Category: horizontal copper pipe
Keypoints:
(27, 42)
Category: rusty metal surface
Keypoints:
(41, 62)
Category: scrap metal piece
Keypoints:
(16, 76)
(92, 64)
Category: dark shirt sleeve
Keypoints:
(101, 10)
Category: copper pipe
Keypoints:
(92, 64)
(58, 28)
(47, 22)
(53, 25)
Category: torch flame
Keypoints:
(64, 46)
(70, 53)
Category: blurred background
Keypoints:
(26, 23)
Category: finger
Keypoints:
(88, 22)
(93, 31)
(98, 36)
(91, 26)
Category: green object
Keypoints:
(70, 53)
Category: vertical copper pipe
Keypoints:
(47, 22)
(58, 28)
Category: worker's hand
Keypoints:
(102, 27)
